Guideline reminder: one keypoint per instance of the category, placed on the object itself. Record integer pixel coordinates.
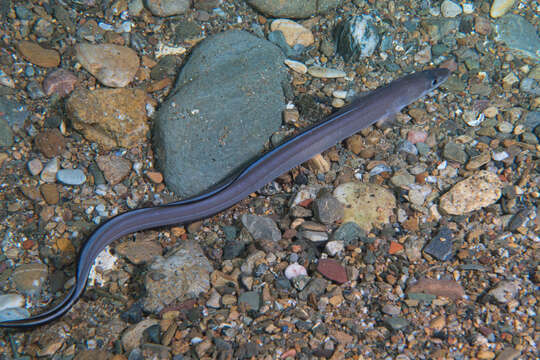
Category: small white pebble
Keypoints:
(338, 103)
(340, 94)
(294, 270)
(499, 156)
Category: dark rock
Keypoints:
(295, 9)
(201, 135)
(440, 247)
(50, 142)
(327, 209)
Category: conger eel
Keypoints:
(361, 113)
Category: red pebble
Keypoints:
(415, 136)
(333, 270)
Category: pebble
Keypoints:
(450, 9)
(504, 291)
(297, 66)
(261, 227)
(325, 73)
(113, 65)
(8, 301)
(60, 82)
(34, 167)
(29, 278)
(114, 168)
(37, 55)
(440, 246)
(294, 270)
(133, 335)
(14, 314)
(71, 176)
(48, 174)
(293, 32)
(327, 209)
(334, 248)
(34, 90)
(251, 299)
(110, 117)
(366, 204)
(455, 152)
(332, 270)
(477, 191)
(500, 7)
(447, 288)
(356, 37)
(314, 236)
(155, 177)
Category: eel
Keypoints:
(376, 106)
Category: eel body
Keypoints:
(378, 105)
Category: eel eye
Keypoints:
(434, 82)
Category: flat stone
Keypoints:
(60, 82)
(500, 7)
(50, 142)
(251, 299)
(325, 73)
(71, 176)
(6, 134)
(327, 209)
(261, 227)
(293, 32)
(48, 174)
(113, 65)
(8, 301)
(479, 190)
(110, 117)
(450, 9)
(366, 204)
(50, 193)
(332, 270)
(440, 247)
(133, 336)
(295, 9)
(37, 55)
(183, 274)
(140, 251)
(29, 278)
(167, 7)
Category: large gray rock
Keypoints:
(226, 104)
(296, 9)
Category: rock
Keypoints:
(333, 270)
(14, 314)
(251, 299)
(114, 168)
(167, 7)
(133, 335)
(366, 204)
(50, 193)
(6, 135)
(71, 176)
(8, 301)
(348, 233)
(327, 209)
(34, 167)
(38, 55)
(519, 35)
(113, 65)
(450, 9)
(447, 288)
(60, 82)
(202, 134)
(357, 37)
(479, 190)
(29, 278)
(334, 248)
(455, 152)
(140, 251)
(440, 247)
(294, 270)
(49, 171)
(214, 301)
(110, 117)
(295, 9)
(296, 66)
(50, 142)
(325, 73)
(13, 113)
(261, 227)
(34, 90)
(500, 7)
(316, 287)
(293, 32)
(183, 274)
(504, 291)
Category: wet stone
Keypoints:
(316, 287)
(396, 322)
(37, 55)
(251, 299)
(348, 233)
(114, 168)
(71, 176)
(333, 270)
(29, 278)
(327, 209)
(60, 82)
(455, 152)
(261, 227)
(50, 142)
(440, 247)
